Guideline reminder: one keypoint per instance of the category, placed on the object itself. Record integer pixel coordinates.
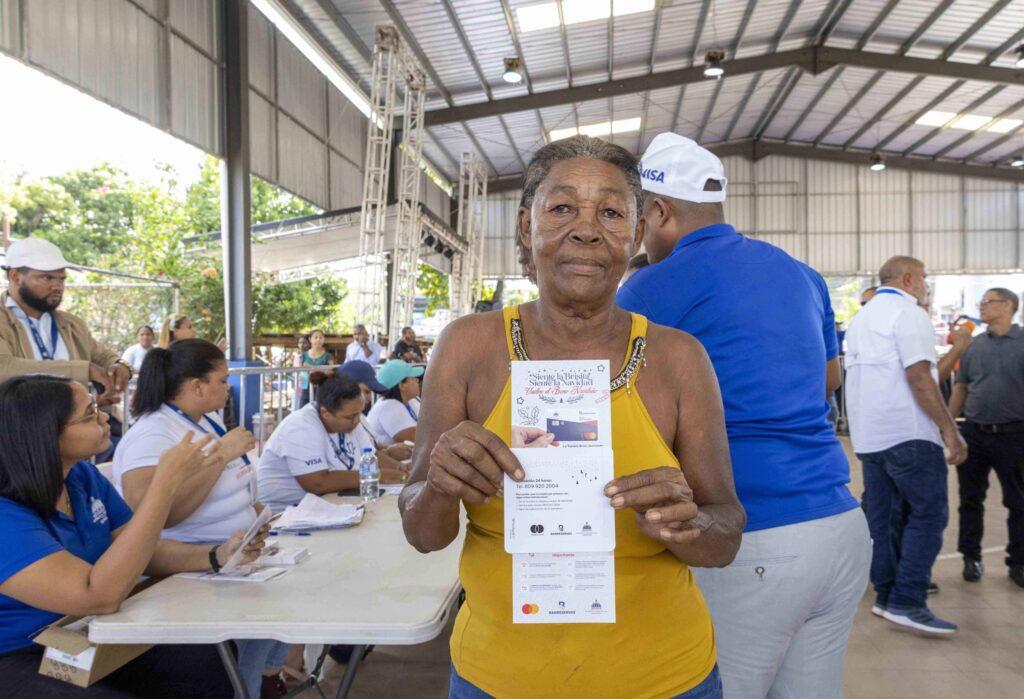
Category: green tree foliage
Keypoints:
(434, 286)
(100, 218)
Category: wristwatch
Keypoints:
(131, 371)
(214, 563)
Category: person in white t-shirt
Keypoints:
(393, 418)
(180, 390)
(317, 449)
(363, 348)
(137, 352)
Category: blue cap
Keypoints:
(396, 371)
(363, 373)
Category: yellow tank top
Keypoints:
(663, 642)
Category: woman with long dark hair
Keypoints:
(317, 449)
(180, 389)
(73, 546)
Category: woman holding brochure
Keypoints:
(180, 389)
(73, 547)
(672, 495)
(317, 449)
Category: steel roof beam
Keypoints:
(729, 55)
(814, 60)
(697, 31)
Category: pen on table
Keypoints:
(275, 533)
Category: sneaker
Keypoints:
(878, 608)
(973, 569)
(933, 588)
(1017, 575)
(920, 619)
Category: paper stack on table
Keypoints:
(276, 556)
(314, 512)
(243, 573)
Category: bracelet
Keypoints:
(213, 559)
(131, 371)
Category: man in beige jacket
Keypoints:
(37, 338)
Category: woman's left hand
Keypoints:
(252, 550)
(663, 501)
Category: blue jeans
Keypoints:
(255, 654)
(710, 688)
(906, 482)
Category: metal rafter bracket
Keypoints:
(814, 60)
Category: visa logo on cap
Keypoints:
(652, 174)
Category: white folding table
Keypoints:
(361, 586)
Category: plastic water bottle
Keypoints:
(369, 476)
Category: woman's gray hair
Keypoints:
(567, 149)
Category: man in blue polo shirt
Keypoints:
(783, 609)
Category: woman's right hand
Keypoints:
(184, 459)
(469, 462)
(236, 443)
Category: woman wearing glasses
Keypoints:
(72, 545)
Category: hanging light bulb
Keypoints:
(1018, 160)
(1020, 57)
(877, 163)
(512, 72)
(713, 64)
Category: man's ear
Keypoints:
(638, 235)
(524, 224)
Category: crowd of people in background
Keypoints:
(752, 552)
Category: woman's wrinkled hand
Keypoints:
(663, 502)
(469, 462)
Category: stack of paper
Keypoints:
(275, 556)
(314, 512)
(243, 573)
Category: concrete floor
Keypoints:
(984, 660)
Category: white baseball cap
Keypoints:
(35, 253)
(677, 167)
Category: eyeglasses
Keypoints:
(92, 414)
(984, 303)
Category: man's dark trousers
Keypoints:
(1003, 452)
(909, 478)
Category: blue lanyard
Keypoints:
(347, 460)
(218, 430)
(45, 353)
(411, 413)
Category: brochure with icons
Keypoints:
(563, 588)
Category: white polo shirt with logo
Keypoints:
(888, 335)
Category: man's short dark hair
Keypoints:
(1006, 295)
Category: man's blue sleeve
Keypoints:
(629, 300)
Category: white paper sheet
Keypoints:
(563, 588)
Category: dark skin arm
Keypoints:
(693, 510)
(926, 393)
(833, 376)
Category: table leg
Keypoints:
(227, 656)
(350, 671)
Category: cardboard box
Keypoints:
(70, 657)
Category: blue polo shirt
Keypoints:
(766, 322)
(27, 537)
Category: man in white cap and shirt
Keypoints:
(784, 608)
(37, 338)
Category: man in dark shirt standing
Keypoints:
(407, 348)
(990, 391)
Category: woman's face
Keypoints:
(581, 230)
(345, 418)
(317, 340)
(145, 338)
(212, 390)
(87, 432)
(186, 331)
(410, 389)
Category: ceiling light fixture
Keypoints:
(935, 118)
(1018, 160)
(713, 64)
(877, 163)
(1004, 125)
(970, 122)
(513, 72)
(1020, 57)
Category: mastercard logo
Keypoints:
(531, 609)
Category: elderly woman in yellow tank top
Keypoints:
(673, 493)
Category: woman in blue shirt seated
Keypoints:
(72, 545)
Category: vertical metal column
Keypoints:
(235, 194)
(370, 298)
(405, 258)
(467, 267)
